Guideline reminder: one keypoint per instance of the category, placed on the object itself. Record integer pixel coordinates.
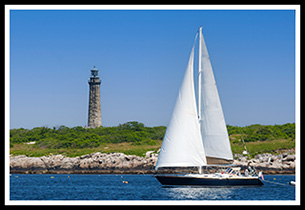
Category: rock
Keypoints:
(120, 163)
(289, 158)
(238, 156)
(19, 156)
(57, 157)
(264, 165)
(276, 165)
(96, 155)
(240, 162)
(271, 163)
(265, 157)
(149, 154)
(69, 163)
(23, 162)
(84, 163)
(292, 165)
(85, 156)
(254, 161)
(285, 155)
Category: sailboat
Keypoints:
(199, 137)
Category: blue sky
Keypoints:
(142, 56)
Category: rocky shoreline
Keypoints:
(119, 163)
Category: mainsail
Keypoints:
(212, 123)
(182, 144)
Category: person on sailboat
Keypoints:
(246, 172)
(251, 170)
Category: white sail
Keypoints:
(182, 143)
(212, 123)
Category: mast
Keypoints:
(199, 85)
(199, 77)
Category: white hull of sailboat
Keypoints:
(208, 180)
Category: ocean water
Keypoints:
(139, 187)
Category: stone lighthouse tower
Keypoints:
(94, 112)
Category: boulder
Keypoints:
(149, 154)
(289, 158)
(85, 156)
(23, 162)
(69, 163)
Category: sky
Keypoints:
(142, 56)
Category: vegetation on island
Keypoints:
(135, 138)
(262, 138)
(130, 138)
(257, 132)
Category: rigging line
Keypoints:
(195, 40)
(194, 43)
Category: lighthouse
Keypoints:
(94, 111)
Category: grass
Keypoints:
(254, 148)
(268, 146)
(126, 148)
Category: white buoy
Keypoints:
(292, 182)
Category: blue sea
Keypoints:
(137, 187)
